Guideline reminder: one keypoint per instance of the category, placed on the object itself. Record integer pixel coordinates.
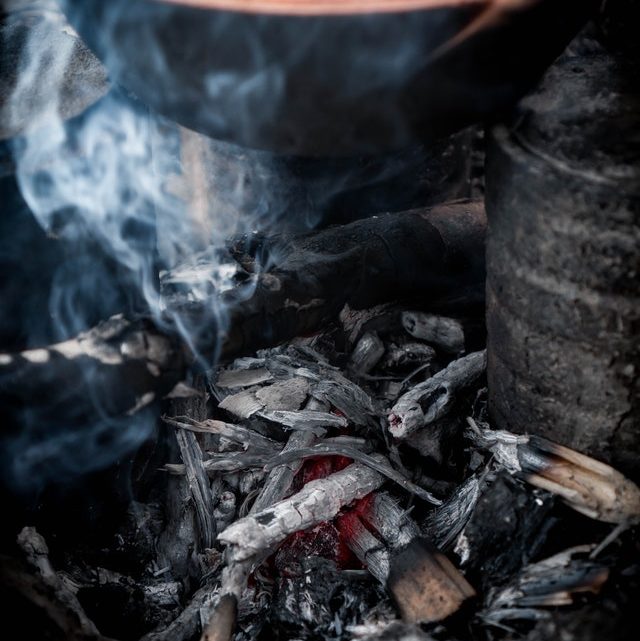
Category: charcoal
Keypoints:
(558, 580)
(444, 333)
(507, 527)
(322, 607)
(405, 355)
(434, 398)
(367, 353)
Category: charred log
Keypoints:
(423, 253)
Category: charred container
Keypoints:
(563, 259)
(327, 78)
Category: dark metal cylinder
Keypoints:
(563, 259)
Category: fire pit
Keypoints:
(224, 421)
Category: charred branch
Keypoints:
(431, 400)
(592, 488)
(425, 253)
(318, 501)
(37, 582)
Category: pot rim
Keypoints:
(327, 7)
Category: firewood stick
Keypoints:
(198, 486)
(318, 501)
(590, 487)
(445, 333)
(425, 584)
(433, 398)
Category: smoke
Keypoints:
(140, 210)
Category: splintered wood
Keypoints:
(432, 399)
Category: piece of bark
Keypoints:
(248, 438)
(242, 404)
(308, 420)
(231, 378)
(284, 395)
(346, 396)
(198, 485)
(318, 501)
(444, 333)
(444, 523)
(225, 462)
(432, 399)
(591, 487)
(287, 395)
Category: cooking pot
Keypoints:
(327, 77)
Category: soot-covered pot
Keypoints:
(327, 77)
